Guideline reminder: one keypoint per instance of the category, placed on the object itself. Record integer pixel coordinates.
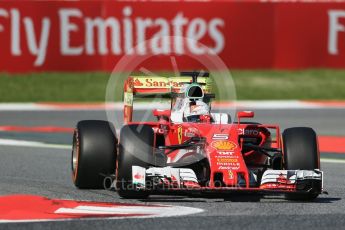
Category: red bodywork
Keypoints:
(225, 156)
(224, 147)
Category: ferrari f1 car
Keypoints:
(188, 152)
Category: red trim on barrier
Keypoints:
(58, 105)
(321, 103)
(332, 144)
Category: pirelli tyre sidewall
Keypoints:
(300, 148)
(135, 148)
(93, 154)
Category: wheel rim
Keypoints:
(75, 154)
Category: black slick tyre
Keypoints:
(135, 149)
(300, 149)
(93, 154)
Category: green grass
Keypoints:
(308, 84)
(250, 85)
(53, 87)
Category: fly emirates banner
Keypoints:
(95, 35)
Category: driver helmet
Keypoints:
(194, 104)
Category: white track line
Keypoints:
(164, 211)
(152, 212)
(35, 144)
(335, 161)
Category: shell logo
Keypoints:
(224, 145)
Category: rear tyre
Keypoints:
(135, 148)
(93, 154)
(301, 152)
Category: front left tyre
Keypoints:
(301, 152)
(93, 154)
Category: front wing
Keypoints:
(168, 179)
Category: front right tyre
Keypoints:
(135, 149)
(93, 154)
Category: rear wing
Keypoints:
(153, 86)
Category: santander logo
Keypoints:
(76, 33)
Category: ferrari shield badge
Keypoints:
(179, 134)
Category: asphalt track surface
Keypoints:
(46, 172)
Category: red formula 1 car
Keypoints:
(192, 150)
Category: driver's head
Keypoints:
(195, 109)
(198, 107)
(194, 104)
